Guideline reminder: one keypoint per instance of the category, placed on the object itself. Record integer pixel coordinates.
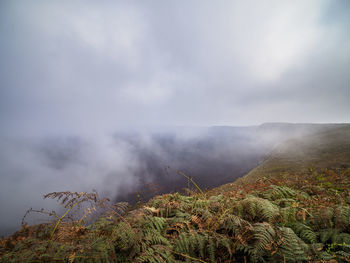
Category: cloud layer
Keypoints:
(97, 66)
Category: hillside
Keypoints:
(212, 156)
(328, 149)
(293, 207)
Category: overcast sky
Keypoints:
(100, 65)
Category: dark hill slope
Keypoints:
(214, 156)
(325, 147)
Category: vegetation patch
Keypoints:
(289, 220)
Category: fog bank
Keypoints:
(130, 164)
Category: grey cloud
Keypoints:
(116, 63)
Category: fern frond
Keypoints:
(121, 207)
(292, 249)
(279, 192)
(257, 210)
(155, 255)
(288, 214)
(155, 238)
(264, 236)
(342, 217)
(323, 255)
(232, 224)
(155, 223)
(328, 235)
(196, 244)
(343, 255)
(342, 238)
(124, 238)
(323, 217)
(304, 232)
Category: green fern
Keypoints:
(342, 217)
(323, 217)
(292, 249)
(155, 254)
(323, 255)
(155, 238)
(155, 223)
(279, 192)
(233, 224)
(256, 209)
(288, 215)
(304, 232)
(263, 236)
(328, 235)
(195, 244)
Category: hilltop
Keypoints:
(327, 149)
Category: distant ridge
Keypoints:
(327, 149)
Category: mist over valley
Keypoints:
(131, 165)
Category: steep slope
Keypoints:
(212, 156)
(329, 149)
(271, 220)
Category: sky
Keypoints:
(73, 66)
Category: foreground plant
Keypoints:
(268, 221)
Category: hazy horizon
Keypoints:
(68, 67)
